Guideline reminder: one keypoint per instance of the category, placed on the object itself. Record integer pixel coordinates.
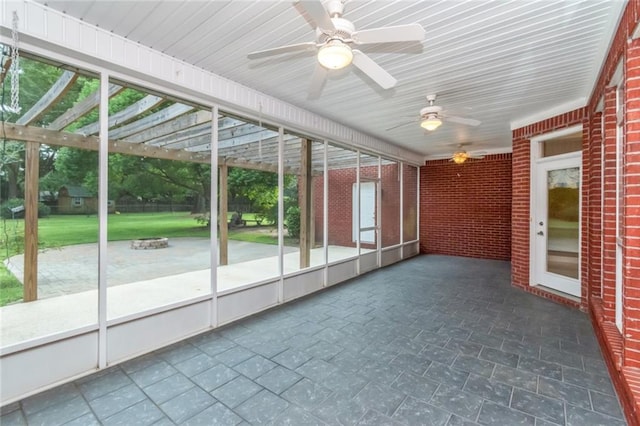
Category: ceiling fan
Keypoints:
(460, 155)
(432, 115)
(335, 41)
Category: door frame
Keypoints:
(536, 159)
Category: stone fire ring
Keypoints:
(150, 243)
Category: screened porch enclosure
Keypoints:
(277, 220)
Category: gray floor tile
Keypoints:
(499, 415)
(316, 369)
(214, 377)
(262, 407)
(525, 349)
(444, 374)
(418, 387)
(296, 416)
(414, 412)
(539, 406)
(111, 403)
(560, 357)
(375, 418)
(306, 394)
(461, 403)
(489, 389)
(215, 415)
(153, 373)
(459, 421)
(486, 339)
(439, 354)
(474, 365)
(572, 394)
(141, 414)
(347, 361)
(88, 419)
(606, 404)
(577, 416)
(345, 383)
(140, 363)
(381, 398)
(234, 356)
(236, 391)
(13, 418)
(192, 366)
(323, 350)
(179, 352)
(255, 366)
(291, 358)
(499, 357)
(216, 346)
(515, 377)
(279, 379)
(340, 409)
(187, 405)
(51, 397)
(542, 368)
(592, 381)
(168, 388)
(416, 364)
(103, 384)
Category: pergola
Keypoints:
(160, 127)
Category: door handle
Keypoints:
(540, 233)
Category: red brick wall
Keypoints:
(465, 210)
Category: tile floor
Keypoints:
(434, 340)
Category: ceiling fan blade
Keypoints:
(373, 70)
(317, 13)
(460, 120)
(309, 46)
(406, 123)
(318, 79)
(398, 33)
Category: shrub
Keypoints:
(293, 221)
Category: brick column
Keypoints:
(593, 181)
(520, 206)
(631, 209)
(609, 206)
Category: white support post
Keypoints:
(103, 195)
(357, 207)
(325, 212)
(213, 217)
(281, 214)
(401, 178)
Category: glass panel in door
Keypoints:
(563, 221)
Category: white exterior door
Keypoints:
(367, 228)
(556, 226)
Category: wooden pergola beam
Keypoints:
(150, 121)
(120, 117)
(48, 100)
(82, 108)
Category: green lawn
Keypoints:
(59, 231)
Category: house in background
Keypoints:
(74, 199)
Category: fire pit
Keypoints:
(150, 243)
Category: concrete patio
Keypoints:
(434, 340)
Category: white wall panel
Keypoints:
(391, 256)
(341, 272)
(303, 284)
(368, 262)
(149, 333)
(34, 369)
(247, 302)
(410, 249)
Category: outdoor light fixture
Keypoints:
(430, 123)
(335, 55)
(460, 157)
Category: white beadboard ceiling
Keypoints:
(503, 62)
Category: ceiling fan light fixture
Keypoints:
(460, 157)
(431, 122)
(335, 55)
